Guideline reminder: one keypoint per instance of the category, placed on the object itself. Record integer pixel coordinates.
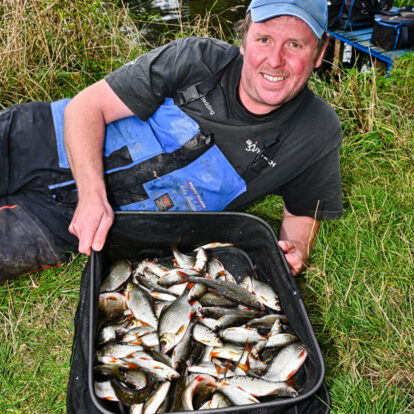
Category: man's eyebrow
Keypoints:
(261, 34)
(291, 39)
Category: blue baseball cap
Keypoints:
(313, 12)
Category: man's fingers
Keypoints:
(101, 232)
(85, 236)
(286, 245)
(73, 229)
(292, 254)
(294, 263)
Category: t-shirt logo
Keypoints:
(164, 202)
(254, 147)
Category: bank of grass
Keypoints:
(358, 286)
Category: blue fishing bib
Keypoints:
(164, 163)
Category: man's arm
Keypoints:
(86, 117)
(297, 234)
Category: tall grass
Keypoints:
(358, 283)
(52, 49)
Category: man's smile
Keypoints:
(273, 78)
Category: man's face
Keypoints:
(279, 56)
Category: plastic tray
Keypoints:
(137, 235)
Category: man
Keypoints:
(197, 125)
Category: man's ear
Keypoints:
(318, 60)
(242, 49)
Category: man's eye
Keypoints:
(263, 40)
(295, 44)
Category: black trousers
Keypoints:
(33, 225)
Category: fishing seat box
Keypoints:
(393, 32)
(138, 235)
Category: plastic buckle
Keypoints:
(191, 94)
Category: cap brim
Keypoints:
(267, 11)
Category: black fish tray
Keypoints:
(138, 235)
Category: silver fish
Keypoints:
(119, 273)
(207, 354)
(230, 320)
(104, 390)
(267, 320)
(177, 276)
(136, 378)
(276, 328)
(247, 283)
(140, 306)
(208, 368)
(229, 290)
(173, 322)
(201, 380)
(136, 332)
(197, 291)
(206, 336)
(132, 323)
(159, 306)
(286, 363)
(259, 387)
(228, 351)
(112, 305)
(240, 335)
(156, 399)
(138, 270)
(258, 347)
(136, 408)
(152, 277)
(229, 277)
(214, 245)
(108, 333)
(236, 395)
(266, 294)
(159, 356)
(118, 350)
(158, 269)
(182, 349)
(209, 322)
(214, 268)
(218, 312)
(214, 299)
(183, 261)
(166, 297)
(201, 260)
(218, 401)
(151, 285)
(281, 340)
(117, 362)
(143, 360)
(149, 341)
(256, 365)
(177, 290)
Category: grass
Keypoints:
(358, 283)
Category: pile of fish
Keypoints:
(186, 336)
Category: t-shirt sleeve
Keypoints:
(144, 83)
(317, 191)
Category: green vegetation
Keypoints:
(358, 286)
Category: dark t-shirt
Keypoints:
(304, 134)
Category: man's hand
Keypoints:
(293, 256)
(297, 235)
(91, 222)
(86, 117)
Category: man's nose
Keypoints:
(276, 57)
